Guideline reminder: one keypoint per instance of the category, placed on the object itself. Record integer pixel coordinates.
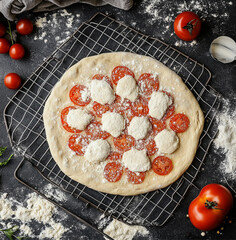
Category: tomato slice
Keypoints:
(135, 177)
(151, 147)
(148, 83)
(140, 107)
(169, 113)
(157, 125)
(76, 95)
(113, 171)
(124, 142)
(162, 165)
(94, 131)
(100, 109)
(65, 125)
(78, 143)
(179, 123)
(119, 72)
(123, 107)
(148, 144)
(114, 156)
(102, 77)
(171, 110)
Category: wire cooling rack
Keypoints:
(23, 116)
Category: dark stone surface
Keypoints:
(223, 80)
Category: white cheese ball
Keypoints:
(102, 92)
(78, 118)
(113, 123)
(136, 161)
(158, 104)
(167, 141)
(97, 151)
(127, 88)
(139, 127)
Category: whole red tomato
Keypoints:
(187, 26)
(17, 51)
(12, 81)
(4, 45)
(24, 26)
(2, 29)
(209, 209)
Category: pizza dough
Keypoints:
(90, 173)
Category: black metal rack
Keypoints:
(23, 117)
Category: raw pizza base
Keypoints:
(76, 167)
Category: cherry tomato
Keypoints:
(187, 26)
(24, 26)
(210, 207)
(2, 29)
(4, 45)
(12, 81)
(17, 51)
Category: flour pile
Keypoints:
(226, 140)
(36, 210)
(118, 230)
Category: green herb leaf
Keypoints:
(4, 163)
(9, 233)
(2, 150)
(10, 32)
(20, 238)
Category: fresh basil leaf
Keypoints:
(9, 232)
(4, 163)
(2, 150)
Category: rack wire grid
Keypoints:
(23, 116)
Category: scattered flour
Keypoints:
(163, 13)
(62, 22)
(226, 139)
(35, 209)
(121, 231)
(51, 191)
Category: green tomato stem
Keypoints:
(212, 205)
(10, 33)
